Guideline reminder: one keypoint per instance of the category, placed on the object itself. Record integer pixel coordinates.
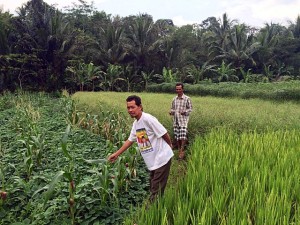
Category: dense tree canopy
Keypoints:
(81, 48)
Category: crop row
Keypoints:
(54, 172)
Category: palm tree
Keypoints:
(141, 40)
(182, 47)
(44, 32)
(221, 32)
(112, 42)
(268, 38)
(5, 29)
(295, 27)
(240, 48)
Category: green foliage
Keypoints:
(208, 112)
(64, 186)
(275, 91)
(233, 178)
(161, 88)
(5, 29)
(168, 75)
(82, 74)
(225, 72)
(110, 78)
(198, 74)
(246, 75)
(80, 48)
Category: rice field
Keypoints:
(242, 164)
(208, 112)
(234, 179)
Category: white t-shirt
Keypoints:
(148, 132)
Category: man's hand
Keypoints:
(171, 113)
(113, 157)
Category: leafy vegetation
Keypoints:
(54, 172)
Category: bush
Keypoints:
(278, 91)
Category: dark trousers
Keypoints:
(158, 180)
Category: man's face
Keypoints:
(179, 90)
(134, 110)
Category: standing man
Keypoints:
(154, 144)
(180, 110)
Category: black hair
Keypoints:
(137, 99)
(179, 84)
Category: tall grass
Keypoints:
(234, 179)
(208, 112)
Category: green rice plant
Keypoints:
(208, 112)
(232, 178)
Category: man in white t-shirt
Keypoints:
(154, 144)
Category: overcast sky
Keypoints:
(252, 12)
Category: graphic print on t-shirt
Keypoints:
(143, 141)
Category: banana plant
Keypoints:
(225, 72)
(168, 75)
(246, 75)
(268, 72)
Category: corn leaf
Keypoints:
(52, 185)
